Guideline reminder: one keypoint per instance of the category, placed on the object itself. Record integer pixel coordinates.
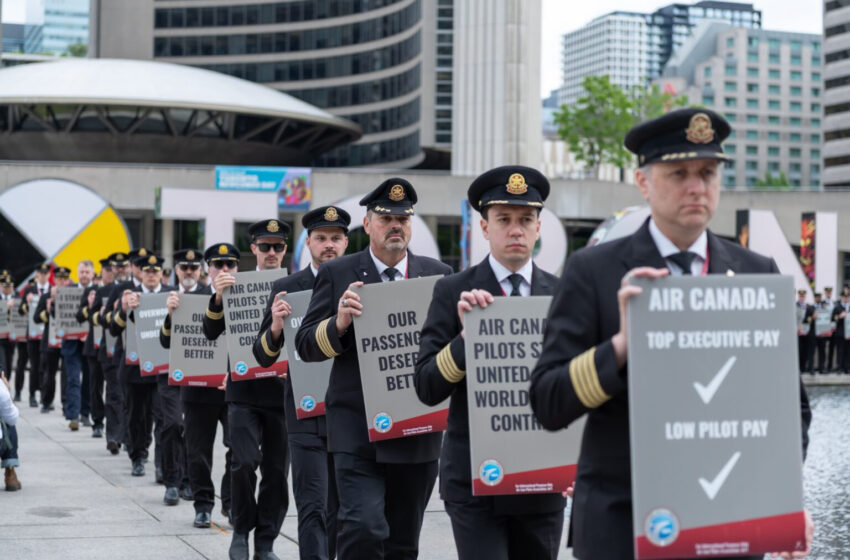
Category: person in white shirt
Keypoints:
(9, 436)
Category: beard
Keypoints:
(188, 283)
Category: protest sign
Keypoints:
(150, 315)
(67, 303)
(195, 360)
(309, 379)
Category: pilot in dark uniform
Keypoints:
(384, 486)
(255, 414)
(41, 287)
(512, 527)
(582, 368)
(313, 482)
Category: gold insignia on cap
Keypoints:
(516, 184)
(272, 227)
(397, 193)
(331, 215)
(699, 130)
(143, 252)
(190, 255)
(152, 260)
(222, 249)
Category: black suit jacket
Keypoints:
(113, 307)
(84, 316)
(584, 316)
(266, 356)
(840, 323)
(345, 411)
(442, 331)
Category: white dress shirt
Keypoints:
(401, 267)
(502, 273)
(667, 248)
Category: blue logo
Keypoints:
(308, 403)
(177, 375)
(383, 422)
(241, 368)
(661, 527)
(60, 333)
(491, 472)
(13, 336)
(148, 366)
(133, 356)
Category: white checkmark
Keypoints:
(706, 392)
(711, 488)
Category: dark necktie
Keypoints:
(516, 281)
(683, 260)
(390, 272)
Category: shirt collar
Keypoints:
(667, 247)
(401, 266)
(314, 269)
(502, 272)
(155, 291)
(44, 287)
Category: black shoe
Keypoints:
(33, 402)
(45, 409)
(138, 468)
(112, 447)
(159, 478)
(51, 407)
(238, 547)
(187, 494)
(226, 514)
(171, 498)
(202, 520)
(85, 421)
(97, 431)
(17, 397)
(265, 555)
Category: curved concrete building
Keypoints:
(360, 60)
(110, 110)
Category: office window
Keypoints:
(773, 151)
(731, 70)
(730, 102)
(814, 122)
(773, 104)
(773, 43)
(794, 137)
(814, 153)
(707, 72)
(773, 74)
(773, 119)
(752, 166)
(794, 167)
(773, 166)
(815, 61)
(815, 92)
(796, 106)
(752, 88)
(752, 103)
(752, 150)
(752, 135)
(814, 138)
(794, 152)
(752, 41)
(752, 119)
(731, 117)
(730, 86)
(773, 89)
(774, 136)
(753, 57)
(814, 169)
(815, 76)
(729, 148)
(752, 72)
(773, 58)
(795, 121)
(815, 107)
(796, 75)
(708, 100)
(796, 60)
(730, 42)
(795, 90)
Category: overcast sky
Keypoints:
(562, 16)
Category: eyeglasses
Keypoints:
(225, 264)
(278, 247)
(192, 267)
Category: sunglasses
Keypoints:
(192, 267)
(225, 264)
(278, 247)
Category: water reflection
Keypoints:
(827, 472)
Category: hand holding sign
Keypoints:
(349, 307)
(810, 533)
(222, 281)
(620, 340)
(173, 302)
(280, 311)
(467, 300)
(91, 298)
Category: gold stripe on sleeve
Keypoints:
(264, 342)
(585, 380)
(119, 321)
(215, 315)
(322, 339)
(447, 366)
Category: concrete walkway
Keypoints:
(78, 502)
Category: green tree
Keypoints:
(769, 181)
(594, 128)
(78, 49)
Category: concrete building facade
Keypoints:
(769, 85)
(836, 125)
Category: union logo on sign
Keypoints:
(491, 472)
(148, 366)
(177, 375)
(133, 356)
(241, 368)
(383, 422)
(308, 403)
(661, 527)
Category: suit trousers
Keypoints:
(21, 366)
(34, 354)
(139, 418)
(96, 390)
(258, 439)
(480, 533)
(201, 421)
(171, 436)
(72, 356)
(113, 403)
(49, 367)
(822, 366)
(314, 487)
(381, 507)
(8, 349)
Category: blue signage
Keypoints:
(291, 183)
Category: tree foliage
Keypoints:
(78, 50)
(594, 128)
(769, 181)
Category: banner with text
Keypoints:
(387, 335)
(5, 319)
(35, 331)
(510, 452)
(131, 343)
(244, 305)
(195, 360)
(67, 303)
(309, 379)
(150, 315)
(713, 392)
(17, 323)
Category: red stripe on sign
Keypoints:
(779, 533)
(427, 423)
(76, 336)
(157, 370)
(275, 370)
(319, 410)
(214, 380)
(540, 481)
